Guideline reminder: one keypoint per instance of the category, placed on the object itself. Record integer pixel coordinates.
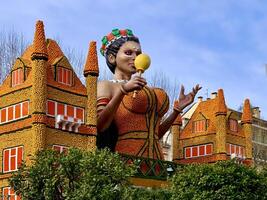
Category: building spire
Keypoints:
(221, 108)
(247, 115)
(91, 65)
(39, 43)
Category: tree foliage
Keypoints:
(12, 45)
(222, 180)
(76, 175)
(103, 175)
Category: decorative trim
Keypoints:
(113, 36)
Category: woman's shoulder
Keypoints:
(104, 82)
(104, 88)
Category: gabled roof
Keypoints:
(42, 48)
(208, 110)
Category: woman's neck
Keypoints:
(122, 76)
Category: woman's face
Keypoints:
(126, 56)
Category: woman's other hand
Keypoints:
(186, 99)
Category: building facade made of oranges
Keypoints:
(43, 104)
(213, 133)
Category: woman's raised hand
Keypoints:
(136, 83)
(185, 100)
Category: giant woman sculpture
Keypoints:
(132, 125)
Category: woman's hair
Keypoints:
(114, 47)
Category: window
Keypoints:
(14, 112)
(197, 151)
(60, 149)
(199, 126)
(233, 124)
(12, 159)
(64, 75)
(17, 77)
(9, 194)
(55, 108)
(235, 149)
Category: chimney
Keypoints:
(256, 112)
(200, 98)
(213, 95)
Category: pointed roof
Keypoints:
(39, 43)
(91, 65)
(221, 106)
(43, 49)
(247, 115)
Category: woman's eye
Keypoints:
(128, 53)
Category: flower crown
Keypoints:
(111, 37)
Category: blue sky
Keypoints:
(218, 44)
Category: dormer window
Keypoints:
(233, 124)
(17, 77)
(199, 126)
(64, 76)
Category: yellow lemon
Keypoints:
(142, 62)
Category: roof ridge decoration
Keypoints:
(91, 65)
(39, 43)
(221, 106)
(246, 115)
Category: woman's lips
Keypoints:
(132, 65)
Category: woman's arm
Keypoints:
(115, 93)
(179, 105)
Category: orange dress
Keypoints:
(137, 120)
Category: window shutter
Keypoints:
(59, 74)
(13, 159)
(208, 149)
(25, 108)
(201, 150)
(194, 151)
(64, 76)
(188, 152)
(10, 113)
(6, 160)
(51, 108)
(60, 109)
(5, 193)
(79, 114)
(20, 156)
(70, 111)
(3, 115)
(17, 111)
